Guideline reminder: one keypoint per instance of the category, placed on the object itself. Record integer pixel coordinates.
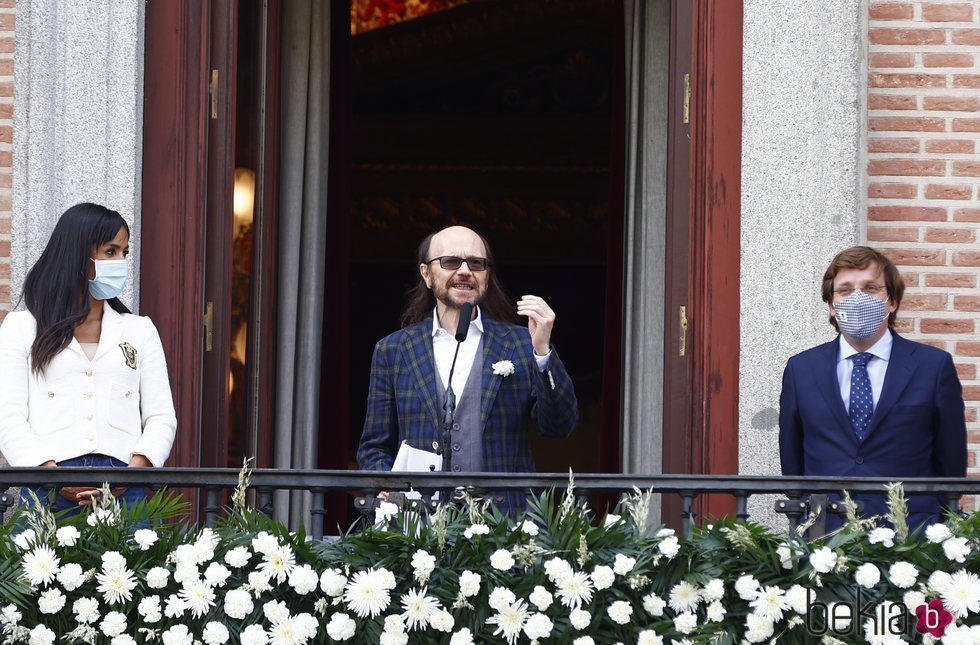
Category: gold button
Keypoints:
(51, 395)
(88, 372)
(88, 395)
(89, 417)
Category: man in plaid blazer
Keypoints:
(511, 377)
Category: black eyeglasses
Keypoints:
(451, 262)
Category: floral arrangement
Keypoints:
(466, 574)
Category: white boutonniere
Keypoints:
(503, 368)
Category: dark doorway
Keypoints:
(496, 115)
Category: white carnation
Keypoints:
(145, 538)
(469, 583)
(238, 557)
(215, 633)
(883, 535)
(903, 574)
(51, 601)
(156, 578)
(937, 533)
(823, 560)
(867, 575)
(541, 598)
(67, 536)
(602, 577)
(956, 549)
(580, 619)
(620, 612)
(685, 623)
(502, 560)
(238, 604)
(332, 582)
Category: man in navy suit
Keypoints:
(871, 403)
(507, 379)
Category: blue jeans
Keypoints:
(58, 503)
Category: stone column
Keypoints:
(78, 120)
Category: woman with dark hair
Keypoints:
(83, 383)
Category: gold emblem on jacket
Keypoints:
(129, 353)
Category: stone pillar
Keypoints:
(78, 120)
(803, 70)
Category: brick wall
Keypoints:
(924, 175)
(6, 145)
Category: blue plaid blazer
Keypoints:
(404, 403)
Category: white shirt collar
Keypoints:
(437, 330)
(882, 349)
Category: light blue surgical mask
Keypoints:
(110, 278)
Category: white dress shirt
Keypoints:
(877, 366)
(444, 346)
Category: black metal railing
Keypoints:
(214, 482)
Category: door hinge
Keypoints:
(213, 94)
(208, 326)
(683, 338)
(687, 98)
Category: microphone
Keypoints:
(462, 327)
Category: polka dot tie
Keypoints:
(862, 402)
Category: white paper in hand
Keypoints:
(414, 460)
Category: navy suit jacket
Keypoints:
(404, 402)
(917, 429)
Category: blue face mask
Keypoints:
(110, 278)
(860, 315)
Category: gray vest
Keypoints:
(467, 435)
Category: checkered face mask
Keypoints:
(859, 315)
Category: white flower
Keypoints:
(278, 562)
(716, 612)
(540, 598)
(823, 560)
(885, 536)
(785, 556)
(528, 527)
(150, 609)
(384, 512)
(580, 619)
(217, 575)
(503, 368)
(340, 628)
(962, 595)
(654, 605)
(423, 564)
(747, 587)
(255, 635)
(198, 596)
(287, 631)
(264, 542)
(177, 635)
(215, 633)
(51, 601)
(878, 628)
(867, 575)
(938, 581)
(956, 549)
(145, 538)
(913, 599)
(684, 597)
(71, 576)
(669, 546)
(238, 557)
(394, 623)
(937, 533)
(476, 529)
(574, 590)
(275, 611)
(41, 565)
(502, 560)
(186, 571)
(41, 635)
(509, 621)
(770, 603)
(332, 582)
(758, 629)
(238, 604)
(156, 578)
(620, 612)
(86, 610)
(174, 606)
(10, 615)
(469, 583)
(583, 640)
(113, 560)
(602, 577)
(303, 579)
(418, 608)
(903, 574)
(650, 637)
(538, 627)
(113, 624)
(556, 568)
(685, 623)
(500, 598)
(123, 639)
(961, 635)
(393, 638)
(116, 585)
(714, 590)
(462, 637)
(25, 539)
(623, 564)
(67, 536)
(797, 597)
(442, 621)
(367, 594)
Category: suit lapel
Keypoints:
(112, 325)
(897, 377)
(423, 364)
(826, 377)
(497, 346)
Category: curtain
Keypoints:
(302, 239)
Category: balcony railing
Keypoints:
(214, 481)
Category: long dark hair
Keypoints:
(420, 301)
(56, 290)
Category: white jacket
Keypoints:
(117, 404)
